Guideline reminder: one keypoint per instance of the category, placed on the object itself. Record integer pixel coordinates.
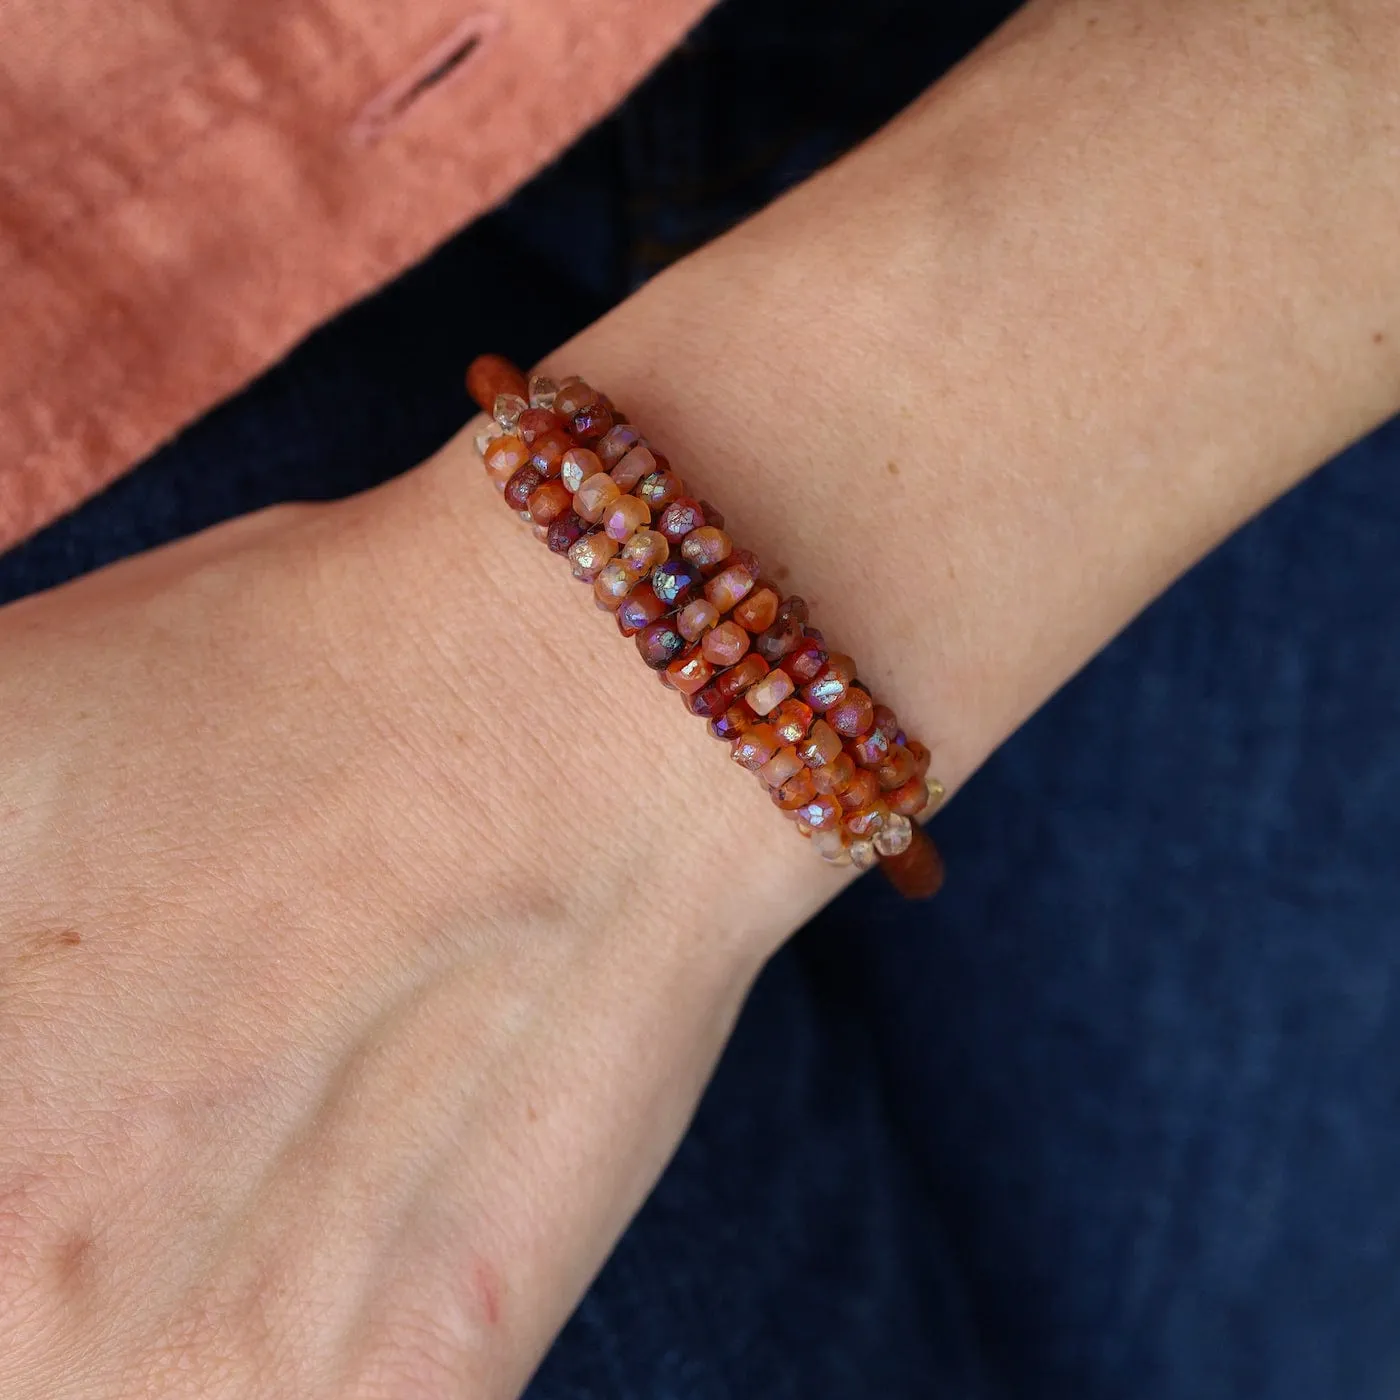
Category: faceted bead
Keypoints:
(565, 532)
(591, 554)
(757, 611)
(706, 547)
(659, 644)
(821, 813)
(863, 855)
(548, 501)
(729, 587)
(573, 395)
(674, 582)
(507, 410)
(860, 791)
(624, 517)
(712, 516)
(897, 767)
(894, 837)
(645, 550)
(872, 748)
(783, 765)
(577, 465)
(689, 672)
(696, 618)
(632, 466)
(755, 747)
(918, 872)
(835, 777)
(504, 456)
(908, 799)
(659, 488)
(796, 791)
(491, 375)
(732, 723)
(922, 757)
(738, 679)
(591, 422)
(770, 692)
(594, 495)
(866, 821)
(936, 793)
(774, 643)
(639, 608)
(853, 714)
(709, 702)
(746, 559)
(486, 436)
(679, 518)
(793, 609)
(542, 391)
(887, 722)
(725, 645)
(535, 421)
(805, 661)
(614, 582)
(522, 482)
(822, 744)
(548, 449)
(792, 719)
(615, 444)
(829, 692)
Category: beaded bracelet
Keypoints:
(704, 617)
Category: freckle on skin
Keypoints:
(782, 571)
(1378, 338)
(892, 468)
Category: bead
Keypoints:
(792, 719)
(872, 748)
(548, 501)
(565, 532)
(821, 746)
(804, 663)
(755, 747)
(918, 872)
(522, 482)
(674, 582)
(733, 722)
(614, 445)
(577, 465)
(640, 607)
(689, 672)
(548, 450)
(573, 395)
(696, 618)
(633, 466)
(922, 757)
(614, 582)
(860, 790)
(485, 436)
(738, 679)
(541, 391)
(712, 516)
(894, 837)
(908, 799)
(936, 793)
(725, 645)
(783, 765)
(757, 611)
(591, 422)
(624, 517)
(770, 692)
(491, 375)
(710, 701)
(504, 456)
(796, 791)
(821, 813)
(594, 495)
(887, 722)
(591, 554)
(729, 587)
(834, 777)
(659, 488)
(774, 643)
(645, 550)
(831, 685)
(679, 518)
(897, 767)
(866, 821)
(535, 421)
(659, 644)
(706, 547)
(507, 410)
(863, 855)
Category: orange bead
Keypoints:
(755, 747)
(491, 375)
(504, 456)
(757, 611)
(835, 777)
(783, 765)
(918, 872)
(822, 744)
(909, 799)
(729, 587)
(852, 715)
(898, 768)
(689, 672)
(726, 644)
(594, 496)
(866, 821)
(860, 791)
(796, 791)
(706, 547)
(792, 719)
(766, 695)
(548, 502)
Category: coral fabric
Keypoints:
(188, 186)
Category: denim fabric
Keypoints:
(1119, 1114)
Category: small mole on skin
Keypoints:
(892, 468)
(1378, 338)
(70, 938)
(532, 1113)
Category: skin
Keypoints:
(370, 919)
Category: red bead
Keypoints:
(679, 518)
(709, 702)
(573, 395)
(887, 722)
(732, 723)
(591, 422)
(805, 661)
(706, 547)
(548, 449)
(522, 482)
(548, 501)
(871, 749)
(639, 609)
(852, 715)
(776, 641)
(738, 679)
(615, 444)
(860, 790)
(535, 421)
(564, 532)
(831, 683)
(909, 799)
(659, 644)
(712, 516)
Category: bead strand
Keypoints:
(700, 612)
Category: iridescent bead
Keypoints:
(632, 466)
(755, 747)
(659, 488)
(894, 837)
(796, 791)
(887, 722)
(897, 767)
(659, 644)
(922, 757)
(542, 391)
(831, 685)
(805, 661)
(779, 639)
(594, 495)
(577, 465)
(757, 611)
(712, 516)
(591, 422)
(624, 517)
(733, 722)
(507, 410)
(565, 532)
(548, 449)
(872, 748)
(821, 813)
(706, 547)
(792, 609)
(504, 456)
(615, 444)
(535, 421)
(765, 696)
(491, 375)
(792, 719)
(674, 582)
(863, 854)
(729, 587)
(726, 644)
(908, 799)
(860, 791)
(639, 608)
(866, 821)
(738, 679)
(645, 550)
(591, 554)
(689, 672)
(614, 582)
(783, 765)
(835, 777)
(522, 482)
(573, 395)
(822, 744)
(679, 518)
(936, 793)
(709, 702)
(696, 618)
(548, 501)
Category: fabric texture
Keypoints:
(186, 189)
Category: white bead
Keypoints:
(863, 854)
(936, 794)
(542, 391)
(486, 436)
(508, 409)
(894, 837)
